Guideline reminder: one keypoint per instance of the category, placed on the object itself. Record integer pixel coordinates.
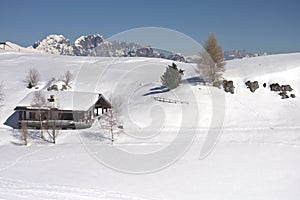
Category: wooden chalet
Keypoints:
(70, 110)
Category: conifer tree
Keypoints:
(172, 77)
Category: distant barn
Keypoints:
(74, 110)
(4, 44)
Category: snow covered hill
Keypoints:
(15, 47)
(254, 138)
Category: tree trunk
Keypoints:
(41, 124)
(54, 136)
(111, 129)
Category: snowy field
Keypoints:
(251, 141)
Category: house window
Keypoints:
(33, 116)
(67, 116)
(79, 116)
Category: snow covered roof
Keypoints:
(63, 100)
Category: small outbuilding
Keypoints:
(4, 44)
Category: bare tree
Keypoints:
(53, 124)
(32, 78)
(212, 62)
(24, 133)
(53, 121)
(214, 49)
(112, 122)
(206, 67)
(39, 101)
(68, 78)
(109, 122)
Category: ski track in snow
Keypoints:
(17, 189)
(12, 164)
(251, 110)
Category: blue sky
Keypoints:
(258, 26)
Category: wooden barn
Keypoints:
(70, 110)
(3, 44)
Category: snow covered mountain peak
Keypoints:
(59, 44)
(55, 44)
(85, 45)
(92, 40)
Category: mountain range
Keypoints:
(93, 45)
(96, 45)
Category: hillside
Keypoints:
(15, 47)
(248, 142)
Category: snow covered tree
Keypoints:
(68, 78)
(211, 64)
(32, 78)
(172, 77)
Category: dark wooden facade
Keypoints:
(67, 119)
(103, 104)
(4, 44)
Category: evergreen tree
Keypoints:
(172, 77)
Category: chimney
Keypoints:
(51, 98)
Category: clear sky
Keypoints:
(255, 25)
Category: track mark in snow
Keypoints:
(15, 189)
(254, 112)
(296, 105)
(17, 160)
(49, 159)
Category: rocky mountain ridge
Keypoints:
(96, 45)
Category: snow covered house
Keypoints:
(68, 109)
